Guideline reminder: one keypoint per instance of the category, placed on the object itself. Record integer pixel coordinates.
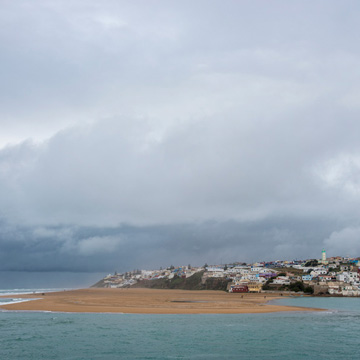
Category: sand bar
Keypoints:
(150, 301)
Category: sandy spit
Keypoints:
(150, 301)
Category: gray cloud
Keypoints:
(121, 248)
(345, 241)
(69, 63)
(216, 168)
(214, 132)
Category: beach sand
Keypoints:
(150, 301)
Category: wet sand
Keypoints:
(150, 301)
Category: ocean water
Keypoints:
(11, 292)
(332, 334)
(14, 292)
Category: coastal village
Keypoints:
(334, 276)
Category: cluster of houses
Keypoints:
(131, 278)
(333, 276)
(244, 277)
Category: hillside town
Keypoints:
(334, 276)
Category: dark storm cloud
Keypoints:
(217, 133)
(94, 249)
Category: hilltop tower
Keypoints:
(323, 256)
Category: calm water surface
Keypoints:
(297, 335)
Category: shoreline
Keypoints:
(150, 301)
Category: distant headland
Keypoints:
(334, 276)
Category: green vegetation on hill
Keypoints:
(296, 286)
(289, 270)
(216, 284)
(312, 263)
(99, 284)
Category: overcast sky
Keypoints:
(139, 134)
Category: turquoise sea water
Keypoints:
(296, 335)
